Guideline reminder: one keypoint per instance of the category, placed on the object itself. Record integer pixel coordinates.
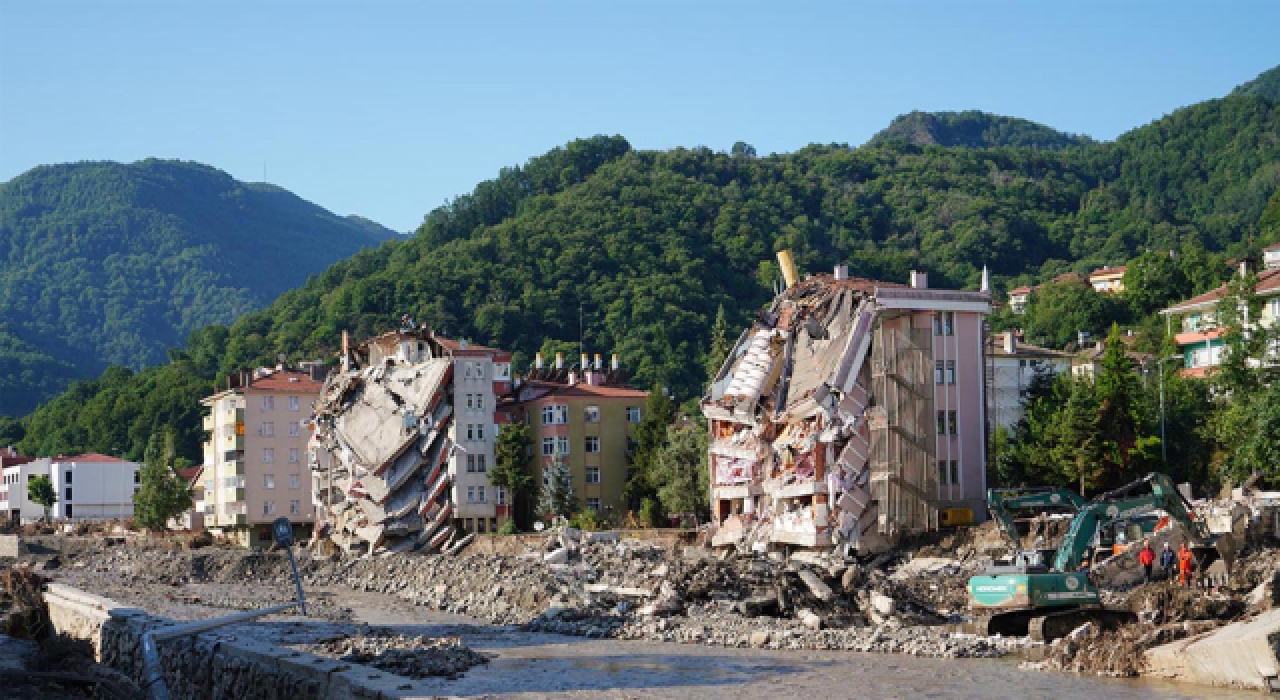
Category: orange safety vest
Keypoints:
(1184, 559)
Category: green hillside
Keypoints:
(643, 247)
(108, 263)
(974, 129)
(1266, 85)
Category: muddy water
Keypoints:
(539, 665)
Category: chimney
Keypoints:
(613, 363)
(788, 267)
(842, 272)
(598, 366)
(919, 280)
(537, 360)
(1010, 343)
(986, 281)
(559, 360)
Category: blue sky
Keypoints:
(387, 109)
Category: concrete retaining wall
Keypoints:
(210, 668)
(1240, 655)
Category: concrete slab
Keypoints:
(1240, 655)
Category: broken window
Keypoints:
(593, 475)
(951, 371)
(591, 414)
(592, 444)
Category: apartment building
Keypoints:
(850, 413)
(255, 466)
(1108, 279)
(17, 471)
(1011, 364)
(1194, 323)
(93, 487)
(585, 418)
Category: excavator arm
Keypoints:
(1002, 502)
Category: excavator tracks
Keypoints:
(1046, 628)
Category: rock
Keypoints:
(882, 604)
(559, 556)
(810, 619)
(759, 638)
(819, 589)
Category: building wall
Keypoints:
(18, 507)
(98, 490)
(473, 432)
(288, 493)
(613, 431)
(963, 399)
(1011, 376)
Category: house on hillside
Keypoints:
(1271, 256)
(1198, 335)
(1087, 363)
(1018, 298)
(1108, 279)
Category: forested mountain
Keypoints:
(974, 129)
(107, 263)
(1266, 85)
(642, 247)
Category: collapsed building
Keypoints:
(402, 442)
(850, 413)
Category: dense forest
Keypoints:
(974, 129)
(108, 263)
(639, 249)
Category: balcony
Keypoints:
(232, 467)
(233, 494)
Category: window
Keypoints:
(293, 403)
(480, 525)
(548, 447)
(268, 455)
(952, 422)
(479, 402)
(479, 370)
(471, 402)
(942, 471)
(69, 510)
(502, 371)
(466, 370)
(955, 472)
(268, 481)
(937, 372)
(593, 475)
(949, 323)
(268, 507)
(593, 504)
(591, 414)
(68, 477)
(632, 445)
(593, 444)
(69, 493)
(502, 495)
(471, 494)
(293, 430)
(268, 403)
(480, 431)
(295, 507)
(555, 415)
(562, 444)
(951, 371)
(471, 463)
(480, 494)
(480, 465)
(294, 480)
(937, 324)
(633, 414)
(208, 485)
(293, 455)
(137, 476)
(267, 430)
(942, 422)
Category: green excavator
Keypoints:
(1003, 503)
(1047, 602)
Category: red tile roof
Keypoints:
(285, 381)
(89, 457)
(190, 474)
(1198, 336)
(1024, 289)
(584, 390)
(1273, 246)
(1108, 271)
(1268, 283)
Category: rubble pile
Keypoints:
(22, 609)
(411, 657)
(381, 451)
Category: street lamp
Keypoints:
(1164, 451)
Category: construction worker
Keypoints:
(1184, 564)
(1167, 560)
(1146, 557)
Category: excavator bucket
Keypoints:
(1221, 560)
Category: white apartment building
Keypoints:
(13, 491)
(1011, 365)
(93, 487)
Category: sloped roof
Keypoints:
(89, 457)
(1105, 271)
(1268, 284)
